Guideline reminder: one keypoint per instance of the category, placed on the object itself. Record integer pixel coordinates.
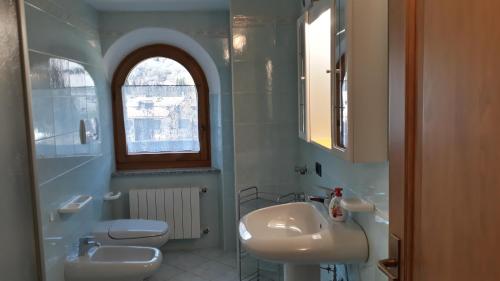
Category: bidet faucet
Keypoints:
(85, 243)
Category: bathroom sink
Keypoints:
(302, 234)
(113, 263)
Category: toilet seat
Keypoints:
(131, 232)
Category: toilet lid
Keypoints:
(130, 229)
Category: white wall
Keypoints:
(205, 35)
(64, 33)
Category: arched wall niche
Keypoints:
(153, 35)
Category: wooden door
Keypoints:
(402, 95)
(20, 251)
(457, 208)
(445, 138)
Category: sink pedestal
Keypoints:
(295, 272)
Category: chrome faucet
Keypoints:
(321, 199)
(85, 243)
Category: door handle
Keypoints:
(390, 268)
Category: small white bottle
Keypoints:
(335, 210)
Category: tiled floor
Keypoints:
(197, 265)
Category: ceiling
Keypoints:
(159, 5)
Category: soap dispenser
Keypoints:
(335, 210)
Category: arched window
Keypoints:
(161, 112)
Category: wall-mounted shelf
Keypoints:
(357, 205)
(75, 204)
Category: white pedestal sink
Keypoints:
(301, 236)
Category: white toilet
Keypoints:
(146, 233)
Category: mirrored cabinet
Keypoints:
(342, 76)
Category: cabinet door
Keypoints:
(359, 84)
(340, 84)
(302, 79)
(318, 56)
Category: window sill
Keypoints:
(165, 172)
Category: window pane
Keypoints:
(160, 105)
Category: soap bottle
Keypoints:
(335, 210)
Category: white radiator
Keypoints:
(179, 207)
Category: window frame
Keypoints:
(125, 161)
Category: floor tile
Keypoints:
(232, 278)
(197, 265)
(166, 273)
(228, 258)
(187, 276)
(212, 253)
(184, 260)
(215, 271)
